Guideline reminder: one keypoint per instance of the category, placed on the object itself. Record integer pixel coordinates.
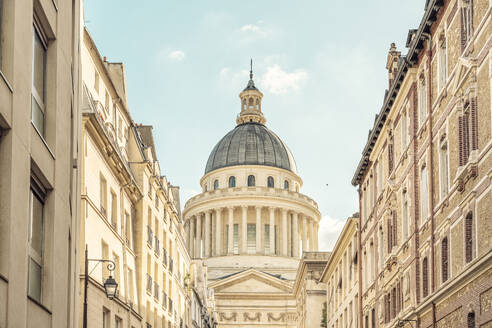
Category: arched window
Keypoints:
(251, 103)
(216, 184)
(425, 277)
(469, 237)
(286, 185)
(232, 182)
(244, 104)
(471, 320)
(270, 182)
(444, 259)
(251, 181)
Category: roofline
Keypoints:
(410, 59)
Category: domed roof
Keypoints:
(250, 144)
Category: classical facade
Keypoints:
(341, 276)
(130, 213)
(39, 160)
(251, 224)
(425, 178)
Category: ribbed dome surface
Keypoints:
(250, 144)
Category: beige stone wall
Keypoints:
(50, 157)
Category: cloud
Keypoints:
(252, 32)
(176, 55)
(278, 81)
(329, 230)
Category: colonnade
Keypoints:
(227, 231)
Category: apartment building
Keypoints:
(39, 151)
(425, 177)
(130, 212)
(341, 276)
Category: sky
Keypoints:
(319, 63)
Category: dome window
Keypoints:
(232, 182)
(251, 181)
(286, 185)
(216, 184)
(270, 182)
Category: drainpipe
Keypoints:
(431, 165)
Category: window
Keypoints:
(468, 130)
(251, 241)
(232, 182)
(96, 81)
(469, 237)
(424, 194)
(425, 277)
(128, 230)
(442, 64)
(235, 244)
(105, 256)
(118, 322)
(404, 214)
(251, 181)
(470, 320)
(270, 182)
(379, 177)
(114, 209)
(156, 201)
(106, 101)
(444, 259)
(38, 106)
(390, 157)
(150, 189)
(422, 100)
(286, 185)
(106, 318)
(36, 241)
(405, 121)
(116, 271)
(216, 184)
(103, 196)
(466, 23)
(381, 249)
(267, 239)
(443, 169)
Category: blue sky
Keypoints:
(320, 64)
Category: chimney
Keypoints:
(392, 63)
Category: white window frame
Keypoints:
(422, 100)
(443, 168)
(424, 193)
(39, 99)
(442, 62)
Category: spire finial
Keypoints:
(251, 69)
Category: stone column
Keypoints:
(295, 234)
(258, 230)
(192, 237)
(218, 232)
(230, 245)
(244, 230)
(187, 232)
(198, 247)
(272, 230)
(208, 219)
(311, 234)
(316, 231)
(284, 232)
(304, 234)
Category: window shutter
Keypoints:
(394, 233)
(463, 37)
(393, 303)
(390, 158)
(425, 287)
(469, 237)
(466, 134)
(444, 255)
(471, 320)
(461, 140)
(474, 123)
(390, 238)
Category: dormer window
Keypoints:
(251, 181)
(270, 182)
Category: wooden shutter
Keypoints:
(425, 278)
(469, 237)
(390, 158)
(474, 123)
(461, 140)
(394, 232)
(466, 135)
(445, 261)
(463, 38)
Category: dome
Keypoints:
(250, 144)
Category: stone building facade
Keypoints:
(39, 160)
(425, 177)
(251, 224)
(130, 213)
(341, 277)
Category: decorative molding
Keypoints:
(247, 317)
(271, 317)
(231, 317)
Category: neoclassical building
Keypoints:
(251, 223)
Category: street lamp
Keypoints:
(110, 285)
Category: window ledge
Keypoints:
(39, 304)
(44, 141)
(4, 78)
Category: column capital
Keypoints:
(284, 210)
(230, 208)
(272, 208)
(244, 206)
(208, 211)
(258, 208)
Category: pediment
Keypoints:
(251, 281)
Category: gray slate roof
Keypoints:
(250, 144)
